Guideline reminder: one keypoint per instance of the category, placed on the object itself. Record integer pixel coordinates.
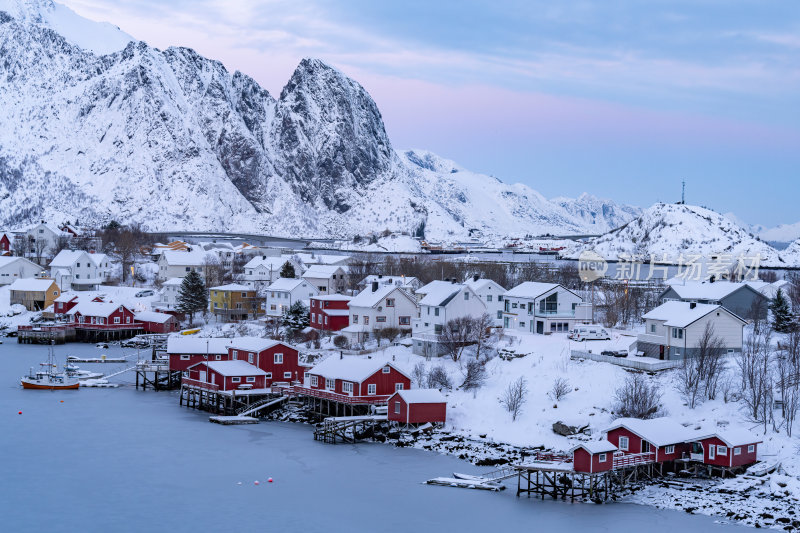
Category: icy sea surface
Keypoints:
(124, 460)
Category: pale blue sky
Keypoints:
(620, 99)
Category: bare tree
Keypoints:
(38, 246)
(438, 379)
(390, 333)
(419, 374)
(560, 389)
(474, 375)
(689, 381)
(637, 398)
(456, 335)
(62, 242)
(515, 396)
(483, 334)
(756, 377)
(212, 268)
(710, 360)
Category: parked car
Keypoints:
(146, 292)
(589, 333)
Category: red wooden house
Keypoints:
(64, 303)
(594, 456)
(5, 243)
(280, 361)
(154, 322)
(663, 438)
(417, 406)
(369, 380)
(185, 351)
(228, 375)
(725, 447)
(101, 315)
(329, 312)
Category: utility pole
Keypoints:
(683, 192)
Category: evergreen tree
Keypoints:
(192, 297)
(782, 320)
(296, 318)
(287, 270)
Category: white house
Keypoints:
(409, 283)
(491, 293)
(284, 292)
(328, 279)
(14, 268)
(311, 259)
(543, 308)
(379, 307)
(41, 239)
(443, 302)
(176, 263)
(80, 270)
(168, 297)
(263, 270)
(673, 329)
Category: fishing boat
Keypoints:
(74, 371)
(48, 377)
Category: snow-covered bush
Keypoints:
(638, 398)
(560, 389)
(438, 379)
(515, 396)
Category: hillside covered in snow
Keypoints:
(102, 127)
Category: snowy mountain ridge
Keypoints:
(116, 129)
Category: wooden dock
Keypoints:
(75, 359)
(233, 420)
(346, 428)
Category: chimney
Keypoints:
(374, 286)
(476, 277)
(380, 276)
(692, 305)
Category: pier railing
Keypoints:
(196, 383)
(632, 459)
(335, 396)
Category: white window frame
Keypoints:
(330, 384)
(250, 358)
(186, 357)
(737, 450)
(398, 387)
(287, 375)
(722, 450)
(347, 387)
(278, 359)
(602, 458)
(251, 379)
(314, 381)
(386, 369)
(236, 379)
(372, 389)
(669, 449)
(712, 451)
(624, 443)
(751, 448)
(269, 375)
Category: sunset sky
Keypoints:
(619, 99)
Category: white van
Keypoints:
(589, 332)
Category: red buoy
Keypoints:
(270, 480)
(256, 483)
(20, 412)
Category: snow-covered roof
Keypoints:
(731, 436)
(195, 257)
(399, 280)
(252, 344)
(66, 297)
(530, 289)
(52, 227)
(678, 314)
(441, 294)
(350, 368)
(705, 290)
(658, 431)
(152, 316)
(8, 259)
(335, 312)
(232, 368)
(428, 287)
(103, 309)
(596, 446)
(332, 298)
(186, 344)
(355, 328)
(288, 284)
(173, 281)
(31, 284)
(370, 298)
(231, 287)
(66, 258)
(322, 271)
(98, 259)
(271, 262)
(322, 259)
(421, 396)
(482, 283)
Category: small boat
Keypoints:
(465, 484)
(74, 371)
(48, 378)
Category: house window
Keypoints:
(371, 389)
(652, 328)
(397, 408)
(269, 376)
(250, 358)
(366, 320)
(499, 314)
(387, 369)
(287, 375)
(389, 302)
(218, 357)
(669, 449)
(251, 379)
(380, 319)
(185, 373)
(722, 450)
(623, 443)
(116, 320)
(645, 446)
(127, 320)
(355, 319)
(737, 450)
(313, 381)
(329, 384)
(244, 295)
(234, 354)
(601, 458)
(436, 311)
(236, 379)
(313, 317)
(677, 333)
(404, 321)
(488, 297)
(347, 387)
(398, 386)
(185, 357)
(514, 305)
(466, 296)
(751, 448)
(278, 359)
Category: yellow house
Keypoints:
(234, 302)
(36, 294)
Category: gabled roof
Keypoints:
(232, 368)
(351, 368)
(595, 447)
(254, 344)
(173, 281)
(420, 396)
(481, 283)
(66, 297)
(270, 262)
(185, 344)
(731, 436)
(370, 298)
(103, 309)
(66, 258)
(152, 316)
(31, 284)
(679, 314)
(332, 298)
(399, 280)
(51, 227)
(657, 431)
(322, 271)
(288, 284)
(706, 290)
(98, 259)
(531, 289)
(196, 257)
(441, 294)
(6, 260)
(231, 287)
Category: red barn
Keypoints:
(353, 376)
(154, 322)
(186, 350)
(229, 375)
(726, 447)
(280, 361)
(417, 406)
(329, 313)
(662, 437)
(101, 315)
(594, 456)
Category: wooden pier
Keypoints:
(233, 420)
(346, 428)
(45, 334)
(559, 482)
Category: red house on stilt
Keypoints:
(417, 406)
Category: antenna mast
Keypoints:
(683, 192)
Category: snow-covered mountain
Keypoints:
(673, 229)
(781, 233)
(792, 254)
(100, 126)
